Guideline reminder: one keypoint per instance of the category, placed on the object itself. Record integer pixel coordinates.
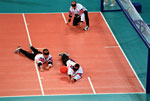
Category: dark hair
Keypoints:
(74, 1)
(73, 5)
(45, 51)
(77, 65)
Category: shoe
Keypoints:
(112, 5)
(17, 50)
(30, 45)
(62, 53)
(86, 28)
(105, 3)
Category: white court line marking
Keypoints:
(123, 52)
(91, 85)
(27, 29)
(64, 18)
(71, 94)
(42, 90)
(34, 62)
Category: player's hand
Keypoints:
(73, 80)
(69, 77)
(69, 20)
(41, 69)
(77, 15)
(49, 66)
(80, 24)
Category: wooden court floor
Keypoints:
(106, 69)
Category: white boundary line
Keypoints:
(91, 85)
(39, 78)
(34, 62)
(122, 51)
(73, 94)
(64, 17)
(27, 29)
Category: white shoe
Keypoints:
(105, 3)
(86, 28)
(17, 50)
(112, 5)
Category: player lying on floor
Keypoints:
(75, 71)
(39, 57)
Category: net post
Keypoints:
(101, 6)
(148, 73)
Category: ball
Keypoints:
(63, 69)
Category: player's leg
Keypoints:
(24, 52)
(64, 57)
(76, 20)
(35, 51)
(86, 20)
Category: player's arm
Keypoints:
(70, 72)
(70, 16)
(49, 63)
(81, 11)
(40, 66)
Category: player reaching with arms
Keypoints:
(39, 57)
(75, 71)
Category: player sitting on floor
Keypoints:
(74, 70)
(39, 57)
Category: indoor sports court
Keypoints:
(104, 52)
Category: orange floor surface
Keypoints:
(95, 50)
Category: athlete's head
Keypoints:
(73, 4)
(45, 52)
(76, 67)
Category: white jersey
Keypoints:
(39, 58)
(70, 64)
(78, 10)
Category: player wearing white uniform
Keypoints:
(39, 57)
(80, 13)
(75, 71)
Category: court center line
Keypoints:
(91, 85)
(34, 62)
(123, 52)
(64, 18)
